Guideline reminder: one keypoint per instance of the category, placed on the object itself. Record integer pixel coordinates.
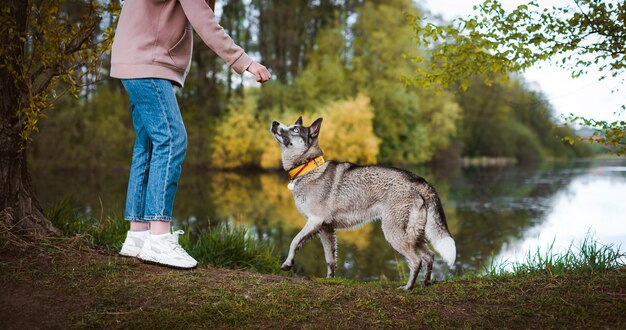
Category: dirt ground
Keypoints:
(64, 284)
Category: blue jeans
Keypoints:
(159, 151)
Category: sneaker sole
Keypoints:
(127, 255)
(150, 262)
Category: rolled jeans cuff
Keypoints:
(136, 219)
(148, 218)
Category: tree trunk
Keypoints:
(20, 210)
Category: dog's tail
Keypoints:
(437, 232)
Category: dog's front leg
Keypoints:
(311, 228)
(329, 242)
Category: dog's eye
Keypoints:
(295, 130)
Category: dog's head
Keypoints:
(297, 143)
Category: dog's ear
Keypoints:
(299, 121)
(314, 130)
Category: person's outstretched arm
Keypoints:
(212, 33)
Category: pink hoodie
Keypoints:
(154, 39)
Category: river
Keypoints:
(499, 212)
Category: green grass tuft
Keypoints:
(107, 232)
(588, 258)
(233, 247)
(225, 246)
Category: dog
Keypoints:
(339, 195)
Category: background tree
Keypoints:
(342, 52)
(288, 30)
(495, 43)
(88, 133)
(510, 119)
(239, 138)
(348, 131)
(412, 123)
(46, 52)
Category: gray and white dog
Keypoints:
(338, 195)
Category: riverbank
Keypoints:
(60, 283)
(489, 210)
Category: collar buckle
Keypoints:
(310, 165)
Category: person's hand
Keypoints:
(260, 72)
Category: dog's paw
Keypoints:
(405, 288)
(286, 266)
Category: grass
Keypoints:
(57, 284)
(105, 232)
(587, 258)
(232, 247)
(61, 286)
(225, 245)
(235, 247)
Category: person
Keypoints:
(151, 52)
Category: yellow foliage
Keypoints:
(270, 158)
(347, 134)
(347, 131)
(236, 142)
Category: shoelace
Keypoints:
(175, 245)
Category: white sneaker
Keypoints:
(165, 250)
(133, 243)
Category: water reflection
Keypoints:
(592, 203)
(491, 211)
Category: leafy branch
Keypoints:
(494, 43)
(57, 52)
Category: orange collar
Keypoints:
(301, 170)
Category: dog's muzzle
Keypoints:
(274, 128)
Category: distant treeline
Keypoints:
(344, 62)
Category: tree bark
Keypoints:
(20, 210)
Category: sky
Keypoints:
(582, 96)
